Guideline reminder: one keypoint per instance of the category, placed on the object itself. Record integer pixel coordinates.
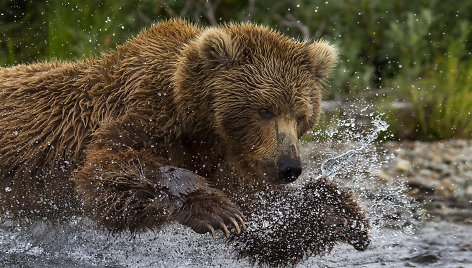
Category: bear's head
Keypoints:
(256, 90)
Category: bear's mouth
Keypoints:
(262, 172)
(283, 171)
(268, 173)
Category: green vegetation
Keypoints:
(434, 75)
(413, 51)
(441, 96)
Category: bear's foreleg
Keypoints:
(289, 224)
(125, 185)
(343, 217)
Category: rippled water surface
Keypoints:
(79, 244)
(399, 238)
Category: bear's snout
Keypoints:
(289, 169)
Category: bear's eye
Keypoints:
(266, 114)
(300, 119)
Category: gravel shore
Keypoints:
(438, 174)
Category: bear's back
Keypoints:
(49, 110)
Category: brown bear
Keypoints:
(184, 124)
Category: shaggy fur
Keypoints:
(168, 128)
(303, 222)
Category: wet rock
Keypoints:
(434, 157)
(446, 187)
(403, 165)
(428, 174)
(422, 184)
(448, 158)
(468, 190)
(439, 167)
(461, 143)
(426, 258)
(382, 176)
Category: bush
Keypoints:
(441, 96)
(433, 74)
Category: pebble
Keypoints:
(383, 176)
(403, 165)
(468, 190)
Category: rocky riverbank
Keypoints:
(438, 175)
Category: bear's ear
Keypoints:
(323, 57)
(217, 48)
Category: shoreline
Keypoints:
(438, 175)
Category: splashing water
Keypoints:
(359, 167)
(331, 166)
(352, 157)
(349, 155)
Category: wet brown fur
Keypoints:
(165, 128)
(303, 221)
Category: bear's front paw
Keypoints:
(357, 234)
(209, 211)
(342, 214)
(354, 232)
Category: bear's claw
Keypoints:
(207, 212)
(223, 222)
(238, 230)
(241, 220)
(225, 229)
(212, 230)
(356, 235)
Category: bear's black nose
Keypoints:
(289, 169)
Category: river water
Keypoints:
(79, 244)
(400, 238)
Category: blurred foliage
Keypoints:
(441, 96)
(403, 50)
